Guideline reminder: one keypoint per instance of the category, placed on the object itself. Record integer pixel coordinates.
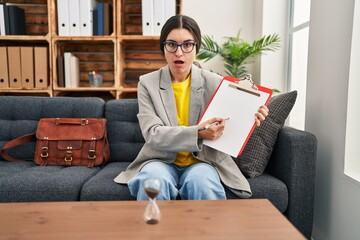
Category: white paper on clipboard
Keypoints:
(239, 104)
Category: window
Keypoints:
(352, 150)
(298, 55)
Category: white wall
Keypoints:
(337, 197)
(225, 18)
(219, 20)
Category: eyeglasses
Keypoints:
(172, 47)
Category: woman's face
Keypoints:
(180, 62)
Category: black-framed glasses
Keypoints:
(172, 47)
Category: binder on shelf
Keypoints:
(2, 20)
(86, 17)
(95, 22)
(67, 57)
(63, 17)
(169, 9)
(16, 20)
(4, 73)
(238, 101)
(154, 15)
(14, 67)
(71, 69)
(159, 16)
(60, 71)
(74, 71)
(106, 19)
(111, 17)
(74, 17)
(27, 67)
(147, 10)
(41, 67)
(100, 18)
(6, 19)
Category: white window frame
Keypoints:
(297, 116)
(352, 150)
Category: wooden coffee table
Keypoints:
(225, 219)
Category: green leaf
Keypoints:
(236, 52)
(209, 49)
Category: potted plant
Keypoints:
(236, 52)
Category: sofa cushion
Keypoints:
(19, 115)
(102, 187)
(27, 182)
(256, 154)
(124, 132)
(34, 108)
(269, 187)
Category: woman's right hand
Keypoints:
(211, 129)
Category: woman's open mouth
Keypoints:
(178, 62)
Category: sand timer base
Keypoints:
(152, 213)
(152, 221)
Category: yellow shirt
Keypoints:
(182, 99)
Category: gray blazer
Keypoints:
(164, 138)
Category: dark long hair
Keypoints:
(178, 22)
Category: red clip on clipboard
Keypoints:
(238, 101)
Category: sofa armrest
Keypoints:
(294, 162)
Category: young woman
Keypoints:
(171, 101)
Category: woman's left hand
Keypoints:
(262, 113)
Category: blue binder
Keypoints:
(100, 18)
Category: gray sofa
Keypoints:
(288, 181)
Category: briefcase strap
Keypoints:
(13, 143)
(92, 153)
(44, 152)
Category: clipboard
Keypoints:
(237, 100)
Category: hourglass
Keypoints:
(152, 212)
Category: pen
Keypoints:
(212, 124)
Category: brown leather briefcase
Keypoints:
(67, 141)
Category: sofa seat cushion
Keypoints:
(102, 187)
(267, 186)
(28, 182)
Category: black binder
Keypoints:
(16, 18)
(6, 20)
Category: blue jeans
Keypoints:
(199, 181)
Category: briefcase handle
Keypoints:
(71, 121)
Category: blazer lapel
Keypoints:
(196, 96)
(167, 95)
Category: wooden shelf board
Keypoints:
(9, 90)
(82, 38)
(138, 37)
(83, 89)
(128, 89)
(25, 38)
